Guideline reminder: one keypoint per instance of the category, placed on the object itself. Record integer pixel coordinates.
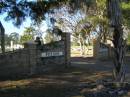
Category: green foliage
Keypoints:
(29, 31)
(49, 38)
(128, 40)
(99, 19)
(28, 35)
(126, 5)
(126, 13)
(26, 38)
(18, 10)
(57, 31)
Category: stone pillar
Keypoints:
(67, 49)
(32, 56)
(96, 48)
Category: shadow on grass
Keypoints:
(57, 83)
(67, 82)
(42, 91)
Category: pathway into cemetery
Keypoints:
(98, 65)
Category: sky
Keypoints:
(61, 13)
(9, 27)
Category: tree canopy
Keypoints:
(18, 10)
(126, 13)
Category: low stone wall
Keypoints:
(14, 63)
(105, 51)
(32, 59)
(102, 51)
(53, 53)
(51, 56)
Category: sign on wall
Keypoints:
(52, 54)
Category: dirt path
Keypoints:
(92, 64)
(99, 65)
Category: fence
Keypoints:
(102, 51)
(14, 62)
(105, 51)
(32, 59)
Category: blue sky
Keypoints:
(61, 13)
(9, 27)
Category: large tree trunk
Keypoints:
(2, 38)
(119, 49)
(115, 16)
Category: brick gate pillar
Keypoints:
(96, 47)
(67, 49)
(32, 56)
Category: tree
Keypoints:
(54, 34)
(115, 21)
(18, 10)
(28, 35)
(126, 13)
(99, 20)
(49, 37)
(7, 39)
(2, 38)
(115, 16)
(72, 23)
(14, 37)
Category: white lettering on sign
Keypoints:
(50, 54)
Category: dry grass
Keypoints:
(75, 51)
